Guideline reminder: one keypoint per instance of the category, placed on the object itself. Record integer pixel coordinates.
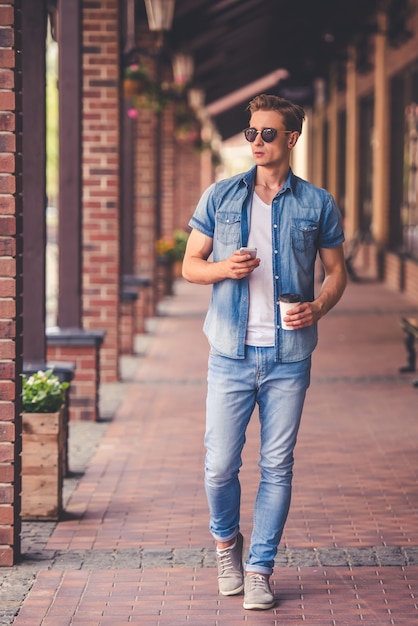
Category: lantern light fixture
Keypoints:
(196, 99)
(183, 67)
(160, 14)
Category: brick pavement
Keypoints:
(135, 548)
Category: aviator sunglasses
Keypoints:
(267, 134)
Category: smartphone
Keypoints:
(252, 251)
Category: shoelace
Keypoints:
(258, 581)
(225, 561)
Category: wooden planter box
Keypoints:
(43, 449)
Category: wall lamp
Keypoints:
(160, 14)
(183, 67)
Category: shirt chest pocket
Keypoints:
(304, 234)
(228, 227)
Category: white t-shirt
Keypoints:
(260, 328)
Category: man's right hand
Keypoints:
(197, 268)
(240, 265)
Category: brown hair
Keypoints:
(293, 114)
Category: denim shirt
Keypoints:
(304, 218)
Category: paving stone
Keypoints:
(411, 553)
(157, 558)
(68, 560)
(302, 558)
(127, 559)
(390, 555)
(361, 557)
(332, 557)
(193, 558)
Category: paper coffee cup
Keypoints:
(287, 301)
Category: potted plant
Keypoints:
(144, 92)
(44, 441)
(172, 249)
(165, 250)
(180, 241)
(170, 253)
(43, 392)
(136, 79)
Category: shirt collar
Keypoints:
(249, 177)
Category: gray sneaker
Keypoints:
(230, 569)
(257, 592)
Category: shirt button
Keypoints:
(274, 225)
(276, 278)
(276, 251)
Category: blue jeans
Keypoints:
(234, 388)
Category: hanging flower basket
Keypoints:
(131, 87)
(143, 91)
(136, 80)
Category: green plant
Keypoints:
(137, 71)
(172, 248)
(180, 242)
(42, 392)
(143, 91)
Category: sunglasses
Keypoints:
(267, 134)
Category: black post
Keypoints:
(34, 21)
(70, 169)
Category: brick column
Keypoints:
(101, 186)
(317, 174)
(145, 189)
(188, 164)
(169, 209)
(11, 345)
(352, 213)
(333, 139)
(145, 200)
(381, 134)
(82, 348)
(129, 297)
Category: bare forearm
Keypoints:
(331, 291)
(202, 272)
(197, 269)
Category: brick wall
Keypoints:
(188, 165)
(10, 281)
(394, 272)
(145, 198)
(101, 188)
(168, 205)
(145, 184)
(411, 279)
(401, 274)
(182, 176)
(127, 322)
(84, 388)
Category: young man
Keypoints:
(253, 360)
